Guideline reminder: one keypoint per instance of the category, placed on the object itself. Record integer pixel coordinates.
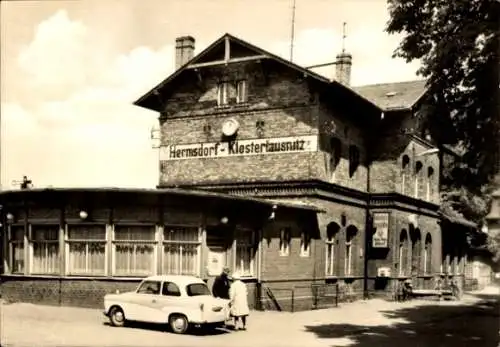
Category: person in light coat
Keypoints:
(238, 296)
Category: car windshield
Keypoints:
(196, 289)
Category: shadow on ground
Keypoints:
(435, 325)
(164, 328)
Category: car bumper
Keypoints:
(105, 313)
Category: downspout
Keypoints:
(367, 230)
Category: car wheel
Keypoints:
(117, 317)
(178, 323)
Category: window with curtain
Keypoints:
(16, 248)
(305, 244)
(354, 160)
(134, 250)
(330, 245)
(428, 255)
(403, 253)
(335, 154)
(181, 250)
(419, 181)
(416, 249)
(45, 253)
(86, 250)
(351, 232)
(244, 261)
(285, 238)
(430, 184)
(405, 173)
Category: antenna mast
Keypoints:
(293, 31)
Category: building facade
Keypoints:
(72, 246)
(240, 120)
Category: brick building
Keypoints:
(238, 119)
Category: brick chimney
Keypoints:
(184, 50)
(343, 68)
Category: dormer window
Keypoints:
(222, 93)
(241, 92)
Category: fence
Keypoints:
(318, 295)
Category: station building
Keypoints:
(350, 169)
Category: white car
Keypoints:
(179, 301)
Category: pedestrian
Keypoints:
(239, 301)
(220, 288)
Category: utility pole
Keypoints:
(293, 31)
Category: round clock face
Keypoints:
(230, 127)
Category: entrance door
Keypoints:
(219, 240)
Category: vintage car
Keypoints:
(179, 301)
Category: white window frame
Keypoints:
(305, 244)
(249, 246)
(330, 261)
(11, 249)
(150, 242)
(242, 91)
(222, 93)
(285, 240)
(181, 243)
(32, 242)
(68, 242)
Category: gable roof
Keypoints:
(151, 101)
(394, 96)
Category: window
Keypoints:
(405, 173)
(86, 250)
(415, 251)
(222, 94)
(305, 244)
(403, 253)
(45, 249)
(285, 238)
(245, 252)
(353, 160)
(419, 182)
(335, 153)
(170, 289)
(181, 250)
(134, 250)
(197, 289)
(149, 287)
(350, 235)
(331, 234)
(430, 183)
(428, 255)
(16, 245)
(241, 92)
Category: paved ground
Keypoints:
(474, 321)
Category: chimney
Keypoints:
(343, 68)
(184, 50)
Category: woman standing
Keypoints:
(239, 301)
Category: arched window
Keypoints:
(419, 182)
(428, 254)
(403, 253)
(430, 183)
(353, 159)
(350, 237)
(331, 249)
(416, 249)
(335, 153)
(405, 173)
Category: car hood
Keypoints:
(118, 295)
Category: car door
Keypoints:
(170, 297)
(144, 304)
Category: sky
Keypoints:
(70, 71)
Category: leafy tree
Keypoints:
(457, 43)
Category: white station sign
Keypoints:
(292, 144)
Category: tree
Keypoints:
(457, 42)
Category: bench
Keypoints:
(443, 293)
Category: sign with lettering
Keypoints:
(380, 237)
(292, 144)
